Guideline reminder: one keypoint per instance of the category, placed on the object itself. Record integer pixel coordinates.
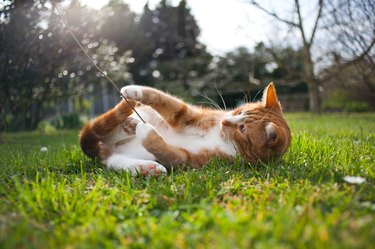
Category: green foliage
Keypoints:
(58, 198)
(41, 65)
(42, 68)
(64, 121)
(344, 101)
(71, 121)
(176, 55)
(46, 127)
(248, 71)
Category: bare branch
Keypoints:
(316, 21)
(300, 25)
(344, 65)
(273, 14)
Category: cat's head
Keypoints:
(258, 130)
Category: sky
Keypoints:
(230, 24)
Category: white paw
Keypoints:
(151, 169)
(132, 92)
(143, 129)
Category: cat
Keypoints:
(177, 134)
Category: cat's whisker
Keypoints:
(234, 144)
(256, 95)
(246, 99)
(210, 101)
(221, 96)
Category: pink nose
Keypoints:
(225, 122)
(232, 120)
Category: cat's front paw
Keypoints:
(143, 130)
(132, 92)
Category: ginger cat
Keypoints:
(177, 134)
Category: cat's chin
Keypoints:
(227, 129)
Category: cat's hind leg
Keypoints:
(103, 127)
(135, 166)
(122, 132)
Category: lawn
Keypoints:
(60, 199)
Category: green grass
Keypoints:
(60, 199)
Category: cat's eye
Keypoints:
(241, 128)
(240, 112)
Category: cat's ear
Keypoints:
(271, 134)
(270, 99)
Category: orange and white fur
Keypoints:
(177, 134)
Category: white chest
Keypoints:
(195, 140)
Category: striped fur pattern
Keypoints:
(177, 134)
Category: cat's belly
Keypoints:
(191, 139)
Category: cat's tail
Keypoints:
(90, 143)
(92, 133)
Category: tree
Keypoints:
(119, 25)
(236, 66)
(172, 32)
(41, 67)
(352, 28)
(43, 71)
(242, 69)
(288, 65)
(297, 21)
(18, 75)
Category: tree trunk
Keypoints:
(312, 82)
(314, 96)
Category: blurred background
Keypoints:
(320, 54)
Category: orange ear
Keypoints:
(270, 98)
